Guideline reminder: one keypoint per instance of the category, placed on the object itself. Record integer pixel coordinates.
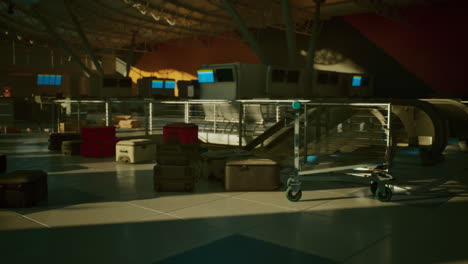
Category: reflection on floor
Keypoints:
(100, 211)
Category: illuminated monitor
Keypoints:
(157, 84)
(58, 80)
(169, 84)
(356, 80)
(41, 79)
(206, 76)
(45, 79)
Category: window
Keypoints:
(278, 75)
(322, 78)
(169, 84)
(157, 84)
(205, 76)
(333, 78)
(356, 80)
(292, 77)
(46, 79)
(125, 82)
(224, 75)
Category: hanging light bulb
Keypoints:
(154, 16)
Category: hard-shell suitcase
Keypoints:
(173, 178)
(135, 150)
(98, 133)
(177, 154)
(23, 188)
(214, 162)
(56, 139)
(72, 147)
(3, 163)
(184, 133)
(254, 174)
(98, 149)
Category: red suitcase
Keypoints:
(184, 133)
(98, 133)
(98, 149)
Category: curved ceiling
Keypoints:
(116, 24)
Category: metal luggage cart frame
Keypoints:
(377, 174)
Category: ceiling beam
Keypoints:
(83, 37)
(246, 32)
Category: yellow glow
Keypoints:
(136, 74)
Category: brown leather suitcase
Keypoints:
(253, 174)
(214, 162)
(177, 154)
(23, 188)
(174, 178)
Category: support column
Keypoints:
(80, 32)
(290, 33)
(245, 32)
(60, 41)
(312, 47)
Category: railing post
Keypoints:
(241, 121)
(186, 113)
(108, 113)
(150, 117)
(277, 113)
(214, 118)
(146, 107)
(79, 110)
(305, 132)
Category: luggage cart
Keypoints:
(342, 142)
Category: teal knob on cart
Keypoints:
(296, 105)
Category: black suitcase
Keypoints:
(23, 188)
(174, 178)
(71, 147)
(56, 139)
(3, 163)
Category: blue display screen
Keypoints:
(169, 85)
(58, 80)
(157, 84)
(44, 79)
(356, 80)
(206, 76)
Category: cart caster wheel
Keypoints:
(373, 187)
(293, 198)
(384, 196)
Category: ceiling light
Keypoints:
(154, 16)
(6, 32)
(31, 42)
(172, 23)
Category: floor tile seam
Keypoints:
(152, 210)
(253, 201)
(228, 196)
(369, 245)
(201, 203)
(30, 219)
